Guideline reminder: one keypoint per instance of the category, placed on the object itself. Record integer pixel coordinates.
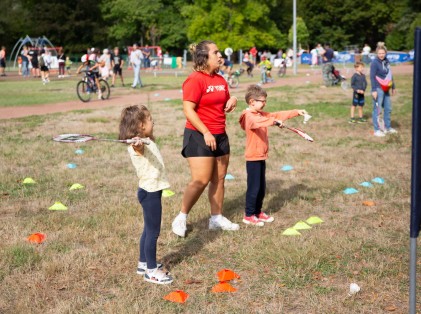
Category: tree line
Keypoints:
(240, 24)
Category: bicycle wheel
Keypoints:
(282, 71)
(234, 82)
(83, 91)
(105, 89)
(344, 85)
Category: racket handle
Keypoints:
(145, 140)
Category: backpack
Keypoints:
(41, 61)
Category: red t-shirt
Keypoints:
(210, 94)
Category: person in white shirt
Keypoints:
(136, 58)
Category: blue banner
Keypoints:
(346, 57)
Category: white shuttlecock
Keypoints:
(306, 118)
(354, 288)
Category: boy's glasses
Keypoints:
(261, 100)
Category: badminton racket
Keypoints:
(380, 120)
(300, 132)
(82, 138)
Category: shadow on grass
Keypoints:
(193, 244)
(277, 202)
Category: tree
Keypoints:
(302, 33)
(349, 22)
(236, 24)
(132, 19)
(411, 32)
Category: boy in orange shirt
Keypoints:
(255, 122)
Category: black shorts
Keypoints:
(44, 68)
(358, 99)
(2, 63)
(117, 70)
(194, 145)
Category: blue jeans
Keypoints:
(136, 72)
(152, 213)
(25, 69)
(256, 187)
(384, 102)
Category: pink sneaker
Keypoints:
(252, 220)
(265, 218)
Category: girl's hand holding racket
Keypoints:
(137, 141)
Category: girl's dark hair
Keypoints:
(200, 53)
(130, 119)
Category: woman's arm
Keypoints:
(191, 115)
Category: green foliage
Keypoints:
(77, 24)
(411, 32)
(399, 36)
(302, 33)
(236, 24)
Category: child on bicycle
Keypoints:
(265, 66)
(255, 122)
(136, 123)
(91, 65)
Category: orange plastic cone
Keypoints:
(227, 275)
(223, 287)
(177, 296)
(36, 238)
(369, 203)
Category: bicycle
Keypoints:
(282, 68)
(233, 79)
(87, 86)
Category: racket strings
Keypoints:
(72, 138)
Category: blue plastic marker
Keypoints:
(229, 177)
(71, 166)
(350, 191)
(287, 168)
(378, 180)
(366, 184)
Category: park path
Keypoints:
(303, 77)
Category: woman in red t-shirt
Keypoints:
(206, 100)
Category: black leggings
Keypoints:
(152, 213)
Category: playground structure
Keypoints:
(34, 43)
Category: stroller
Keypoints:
(338, 78)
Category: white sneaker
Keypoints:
(179, 227)
(99, 96)
(379, 133)
(223, 223)
(391, 131)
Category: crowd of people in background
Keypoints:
(36, 62)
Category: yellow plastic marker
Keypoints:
(291, 232)
(76, 186)
(28, 181)
(301, 225)
(314, 220)
(58, 206)
(167, 193)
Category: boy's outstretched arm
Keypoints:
(288, 114)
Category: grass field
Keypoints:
(88, 262)
(26, 92)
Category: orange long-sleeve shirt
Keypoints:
(255, 124)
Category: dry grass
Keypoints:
(87, 264)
